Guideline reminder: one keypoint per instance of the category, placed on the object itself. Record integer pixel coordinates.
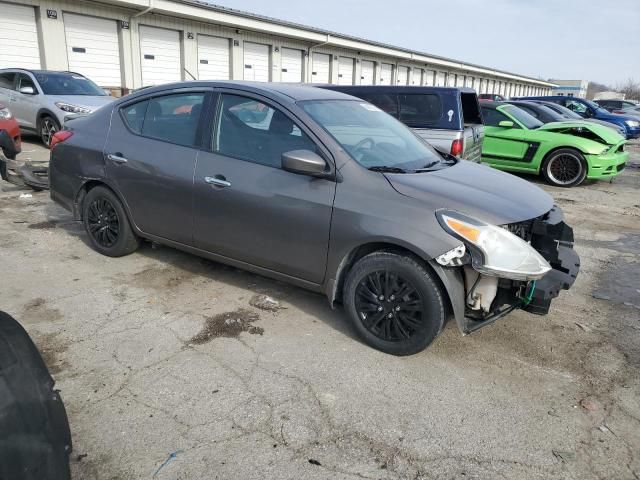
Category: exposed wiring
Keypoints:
(528, 298)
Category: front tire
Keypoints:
(394, 303)
(107, 225)
(565, 167)
(48, 126)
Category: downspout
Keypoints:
(131, 17)
(309, 51)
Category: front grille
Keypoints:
(521, 229)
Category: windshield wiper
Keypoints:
(385, 169)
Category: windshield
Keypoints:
(564, 111)
(67, 84)
(594, 105)
(523, 117)
(557, 117)
(371, 137)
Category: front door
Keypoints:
(150, 157)
(246, 207)
(502, 145)
(25, 106)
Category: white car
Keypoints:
(40, 99)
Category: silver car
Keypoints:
(40, 100)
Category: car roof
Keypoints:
(524, 102)
(285, 91)
(28, 70)
(393, 88)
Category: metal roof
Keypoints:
(276, 21)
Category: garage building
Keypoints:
(127, 44)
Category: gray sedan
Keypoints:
(322, 190)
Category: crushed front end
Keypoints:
(489, 293)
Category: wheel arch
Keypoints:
(450, 291)
(89, 184)
(45, 112)
(563, 147)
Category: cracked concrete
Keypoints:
(530, 397)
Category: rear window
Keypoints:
(470, 109)
(6, 80)
(387, 102)
(420, 110)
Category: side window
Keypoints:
(25, 81)
(133, 115)
(253, 131)
(420, 109)
(529, 110)
(493, 117)
(387, 102)
(6, 80)
(173, 118)
(577, 107)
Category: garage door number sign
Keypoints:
(52, 14)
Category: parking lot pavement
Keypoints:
(174, 367)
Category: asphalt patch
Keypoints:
(228, 324)
(43, 225)
(620, 284)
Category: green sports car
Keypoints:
(565, 153)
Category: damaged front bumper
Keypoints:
(553, 239)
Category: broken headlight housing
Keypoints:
(494, 250)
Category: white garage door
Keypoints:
(386, 72)
(345, 71)
(291, 63)
(18, 37)
(160, 56)
(429, 77)
(403, 76)
(256, 62)
(417, 76)
(93, 48)
(441, 79)
(321, 68)
(213, 58)
(367, 72)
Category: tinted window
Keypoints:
(6, 80)
(529, 110)
(371, 137)
(253, 131)
(420, 109)
(523, 117)
(173, 118)
(493, 117)
(67, 84)
(387, 102)
(133, 115)
(577, 107)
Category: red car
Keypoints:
(490, 97)
(10, 143)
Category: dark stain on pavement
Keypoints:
(228, 324)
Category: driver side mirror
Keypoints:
(506, 124)
(27, 90)
(304, 162)
(588, 113)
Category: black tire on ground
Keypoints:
(35, 441)
(3, 170)
(106, 223)
(565, 167)
(394, 303)
(47, 126)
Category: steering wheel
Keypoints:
(360, 145)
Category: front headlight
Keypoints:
(494, 250)
(5, 113)
(632, 123)
(67, 107)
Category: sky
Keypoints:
(595, 40)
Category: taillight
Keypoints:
(59, 137)
(456, 147)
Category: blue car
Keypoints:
(589, 109)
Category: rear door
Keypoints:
(246, 207)
(150, 157)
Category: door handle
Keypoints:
(218, 181)
(117, 158)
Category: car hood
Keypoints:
(607, 134)
(477, 190)
(86, 101)
(616, 116)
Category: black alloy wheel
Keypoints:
(103, 223)
(565, 168)
(389, 306)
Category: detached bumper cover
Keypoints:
(30, 173)
(554, 240)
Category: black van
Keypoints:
(448, 118)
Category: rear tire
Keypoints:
(107, 225)
(565, 167)
(47, 127)
(394, 303)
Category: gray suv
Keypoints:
(320, 189)
(40, 100)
